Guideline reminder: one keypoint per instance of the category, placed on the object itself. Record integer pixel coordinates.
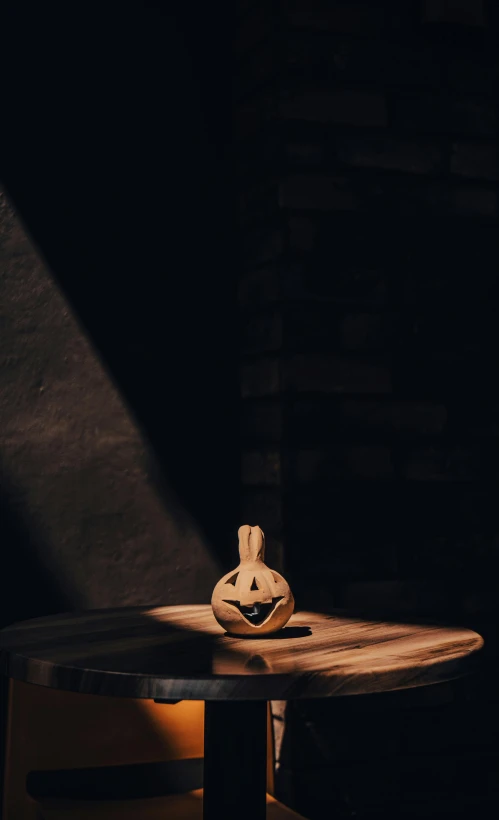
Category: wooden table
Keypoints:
(180, 652)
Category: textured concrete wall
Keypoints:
(86, 523)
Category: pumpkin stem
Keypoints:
(251, 543)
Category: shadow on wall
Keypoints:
(124, 190)
(28, 588)
(76, 469)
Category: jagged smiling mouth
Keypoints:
(257, 613)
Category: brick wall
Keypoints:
(367, 173)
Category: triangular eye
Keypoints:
(233, 579)
(254, 585)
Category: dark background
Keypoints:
(350, 150)
(368, 169)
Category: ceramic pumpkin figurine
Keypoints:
(252, 599)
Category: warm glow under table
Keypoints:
(180, 652)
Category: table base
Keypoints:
(235, 760)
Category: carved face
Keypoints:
(252, 598)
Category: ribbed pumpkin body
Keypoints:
(252, 599)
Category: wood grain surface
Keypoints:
(181, 652)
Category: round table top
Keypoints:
(181, 652)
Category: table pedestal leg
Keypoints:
(235, 760)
